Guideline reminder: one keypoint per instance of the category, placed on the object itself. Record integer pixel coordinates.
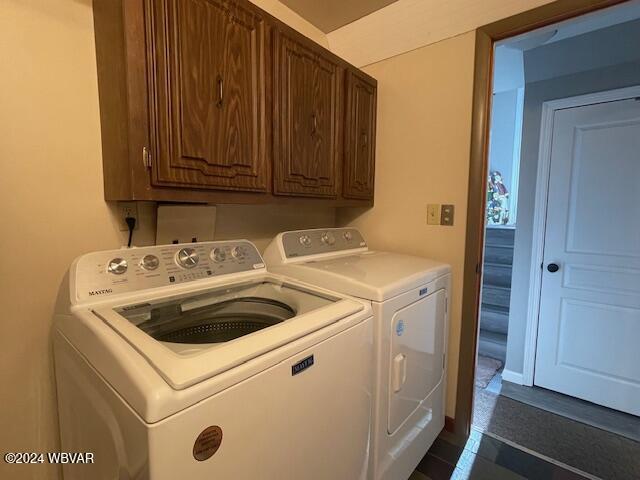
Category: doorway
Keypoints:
(586, 279)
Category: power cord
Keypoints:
(131, 223)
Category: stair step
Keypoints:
(498, 254)
(492, 345)
(495, 321)
(497, 275)
(493, 337)
(500, 236)
(496, 296)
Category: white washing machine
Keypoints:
(409, 296)
(192, 361)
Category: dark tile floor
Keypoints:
(597, 452)
(486, 458)
(603, 418)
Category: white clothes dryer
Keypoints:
(192, 361)
(409, 296)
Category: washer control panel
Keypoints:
(302, 243)
(119, 271)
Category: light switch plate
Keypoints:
(446, 215)
(433, 214)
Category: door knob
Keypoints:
(553, 267)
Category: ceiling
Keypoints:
(329, 15)
(573, 27)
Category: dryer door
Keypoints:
(417, 356)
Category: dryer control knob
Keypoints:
(187, 257)
(327, 238)
(238, 252)
(347, 236)
(305, 240)
(117, 266)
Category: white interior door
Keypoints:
(589, 325)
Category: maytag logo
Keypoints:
(302, 365)
(100, 292)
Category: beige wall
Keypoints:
(52, 201)
(51, 197)
(422, 156)
(260, 223)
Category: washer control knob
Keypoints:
(305, 240)
(187, 257)
(238, 252)
(327, 238)
(150, 262)
(218, 255)
(348, 236)
(117, 266)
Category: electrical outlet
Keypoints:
(127, 209)
(433, 214)
(446, 217)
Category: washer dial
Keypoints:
(218, 255)
(187, 257)
(347, 236)
(327, 238)
(238, 252)
(117, 266)
(149, 262)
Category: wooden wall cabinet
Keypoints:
(216, 101)
(208, 113)
(360, 127)
(308, 124)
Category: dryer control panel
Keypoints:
(302, 243)
(127, 270)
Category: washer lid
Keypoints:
(190, 337)
(372, 275)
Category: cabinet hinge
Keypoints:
(146, 157)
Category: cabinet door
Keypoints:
(208, 95)
(307, 118)
(360, 137)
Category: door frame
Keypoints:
(517, 146)
(486, 36)
(540, 212)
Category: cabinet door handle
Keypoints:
(220, 83)
(314, 124)
(365, 139)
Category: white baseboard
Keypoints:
(513, 377)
